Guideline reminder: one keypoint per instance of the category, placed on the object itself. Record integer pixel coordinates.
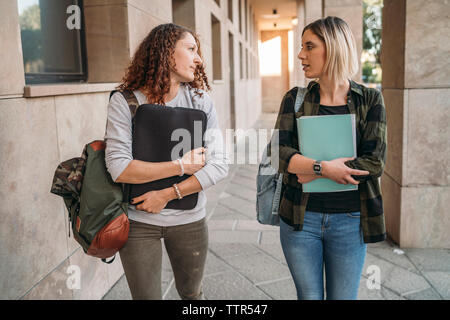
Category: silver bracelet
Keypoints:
(177, 191)
(182, 168)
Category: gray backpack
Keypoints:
(269, 181)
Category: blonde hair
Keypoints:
(342, 57)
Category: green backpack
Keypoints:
(97, 209)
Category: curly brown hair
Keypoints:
(149, 70)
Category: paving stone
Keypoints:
(404, 282)
(226, 250)
(247, 208)
(427, 294)
(223, 213)
(245, 181)
(120, 291)
(259, 267)
(270, 237)
(247, 174)
(240, 191)
(227, 225)
(273, 249)
(172, 294)
(430, 259)
(382, 244)
(395, 278)
(280, 290)
(215, 264)
(231, 286)
(254, 225)
(385, 266)
(225, 195)
(364, 293)
(248, 167)
(440, 282)
(233, 236)
(387, 253)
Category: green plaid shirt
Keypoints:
(368, 106)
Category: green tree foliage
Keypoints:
(30, 31)
(372, 27)
(30, 18)
(372, 10)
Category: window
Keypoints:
(241, 64)
(53, 41)
(250, 66)
(240, 16)
(216, 48)
(218, 2)
(246, 63)
(230, 10)
(246, 21)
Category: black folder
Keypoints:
(154, 128)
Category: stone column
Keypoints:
(313, 10)
(13, 78)
(351, 12)
(275, 86)
(107, 39)
(416, 80)
(298, 74)
(307, 11)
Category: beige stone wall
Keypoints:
(37, 134)
(42, 125)
(416, 89)
(107, 39)
(310, 10)
(11, 68)
(298, 76)
(351, 12)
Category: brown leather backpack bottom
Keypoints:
(111, 238)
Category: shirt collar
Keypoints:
(355, 87)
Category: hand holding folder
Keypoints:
(327, 138)
(160, 134)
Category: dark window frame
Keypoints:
(43, 78)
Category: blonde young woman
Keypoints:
(330, 231)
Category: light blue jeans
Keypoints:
(332, 242)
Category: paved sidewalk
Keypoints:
(245, 259)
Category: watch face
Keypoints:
(316, 167)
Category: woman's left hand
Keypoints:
(305, 178)
(154, 201)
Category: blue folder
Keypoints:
(326, 138)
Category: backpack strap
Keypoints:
(131, 99)
(301, 92)
(110, 261)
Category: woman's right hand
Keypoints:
(194, 160)
(337, 171)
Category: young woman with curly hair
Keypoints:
(167, 69)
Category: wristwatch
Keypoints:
(317, 167)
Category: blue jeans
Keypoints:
(332, 242)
